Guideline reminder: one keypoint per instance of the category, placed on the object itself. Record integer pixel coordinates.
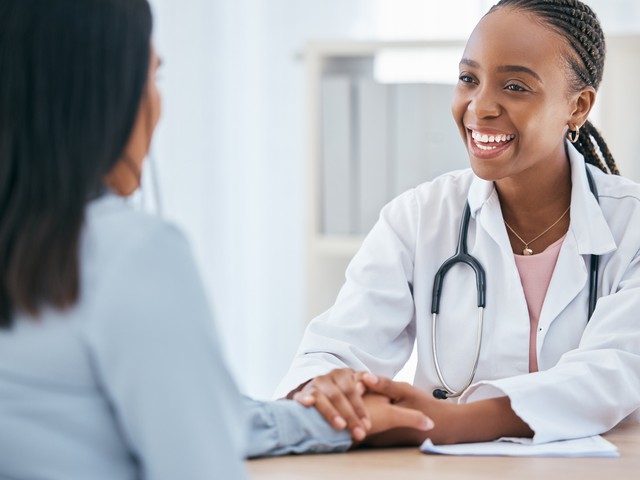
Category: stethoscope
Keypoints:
(462, 256)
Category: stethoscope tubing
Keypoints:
(461, 256)
(595, 259)
(450, 392)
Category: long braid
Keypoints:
(604, 149)
(580, 26)
(584, 144)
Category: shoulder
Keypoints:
(619, 199)
(119, 241)
(112, 221)
(451, 185)
(442, 194)
(138, 276)
(431, 204)
(112, 224)
(616, 188)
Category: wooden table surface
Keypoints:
(410, 463)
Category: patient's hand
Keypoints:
(338, 397)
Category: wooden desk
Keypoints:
(409, 464)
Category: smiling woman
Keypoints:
(547, 366)
(532, 97)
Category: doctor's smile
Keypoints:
(486, 144)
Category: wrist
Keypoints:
(486, 420)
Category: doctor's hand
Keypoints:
(479, 421)
(406, 396)
(338, 397)
(385, 416)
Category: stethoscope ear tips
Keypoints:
(440, 394)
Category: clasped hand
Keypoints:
(375, 409)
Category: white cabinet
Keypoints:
(379, 123)
(618, 103)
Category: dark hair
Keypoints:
(580, 26)
(72, 77)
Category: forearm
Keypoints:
(484, 420)
(480, 421)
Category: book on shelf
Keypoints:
(377, 141)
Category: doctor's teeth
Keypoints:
(484, 147)
(485, 138)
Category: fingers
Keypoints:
(409, 418)
(353, 390)
(385, 386)
(338, 397)
(305, 399)
(339, 419)
(388, 416)
(292, 393)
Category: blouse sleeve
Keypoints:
(284, 426)
(157, 356)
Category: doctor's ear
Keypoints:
(581, 104)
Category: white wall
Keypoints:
(230, 158)
(230, 147)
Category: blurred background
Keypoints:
(236, 155)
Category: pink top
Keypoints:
(535, 275)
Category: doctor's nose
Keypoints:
(484, 105)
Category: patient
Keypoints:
(109, 363)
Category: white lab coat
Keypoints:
(589, 377)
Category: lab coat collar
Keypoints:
(588, 225)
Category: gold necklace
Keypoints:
(527, 250)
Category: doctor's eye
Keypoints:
(466, 78)
(514, 87)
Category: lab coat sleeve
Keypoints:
(284, 426)
(371, 326)
(156, 353)
(593, 387)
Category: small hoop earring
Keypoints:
(573, 135)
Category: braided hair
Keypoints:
(578, 24)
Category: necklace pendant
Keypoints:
(527, 251)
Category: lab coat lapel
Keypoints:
(506, 327)
(588, 225)
(485, 209)
(588, 234)
(568, 280)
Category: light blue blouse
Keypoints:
(130, 382)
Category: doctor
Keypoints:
(528, 80)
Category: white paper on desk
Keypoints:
(595, 446)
